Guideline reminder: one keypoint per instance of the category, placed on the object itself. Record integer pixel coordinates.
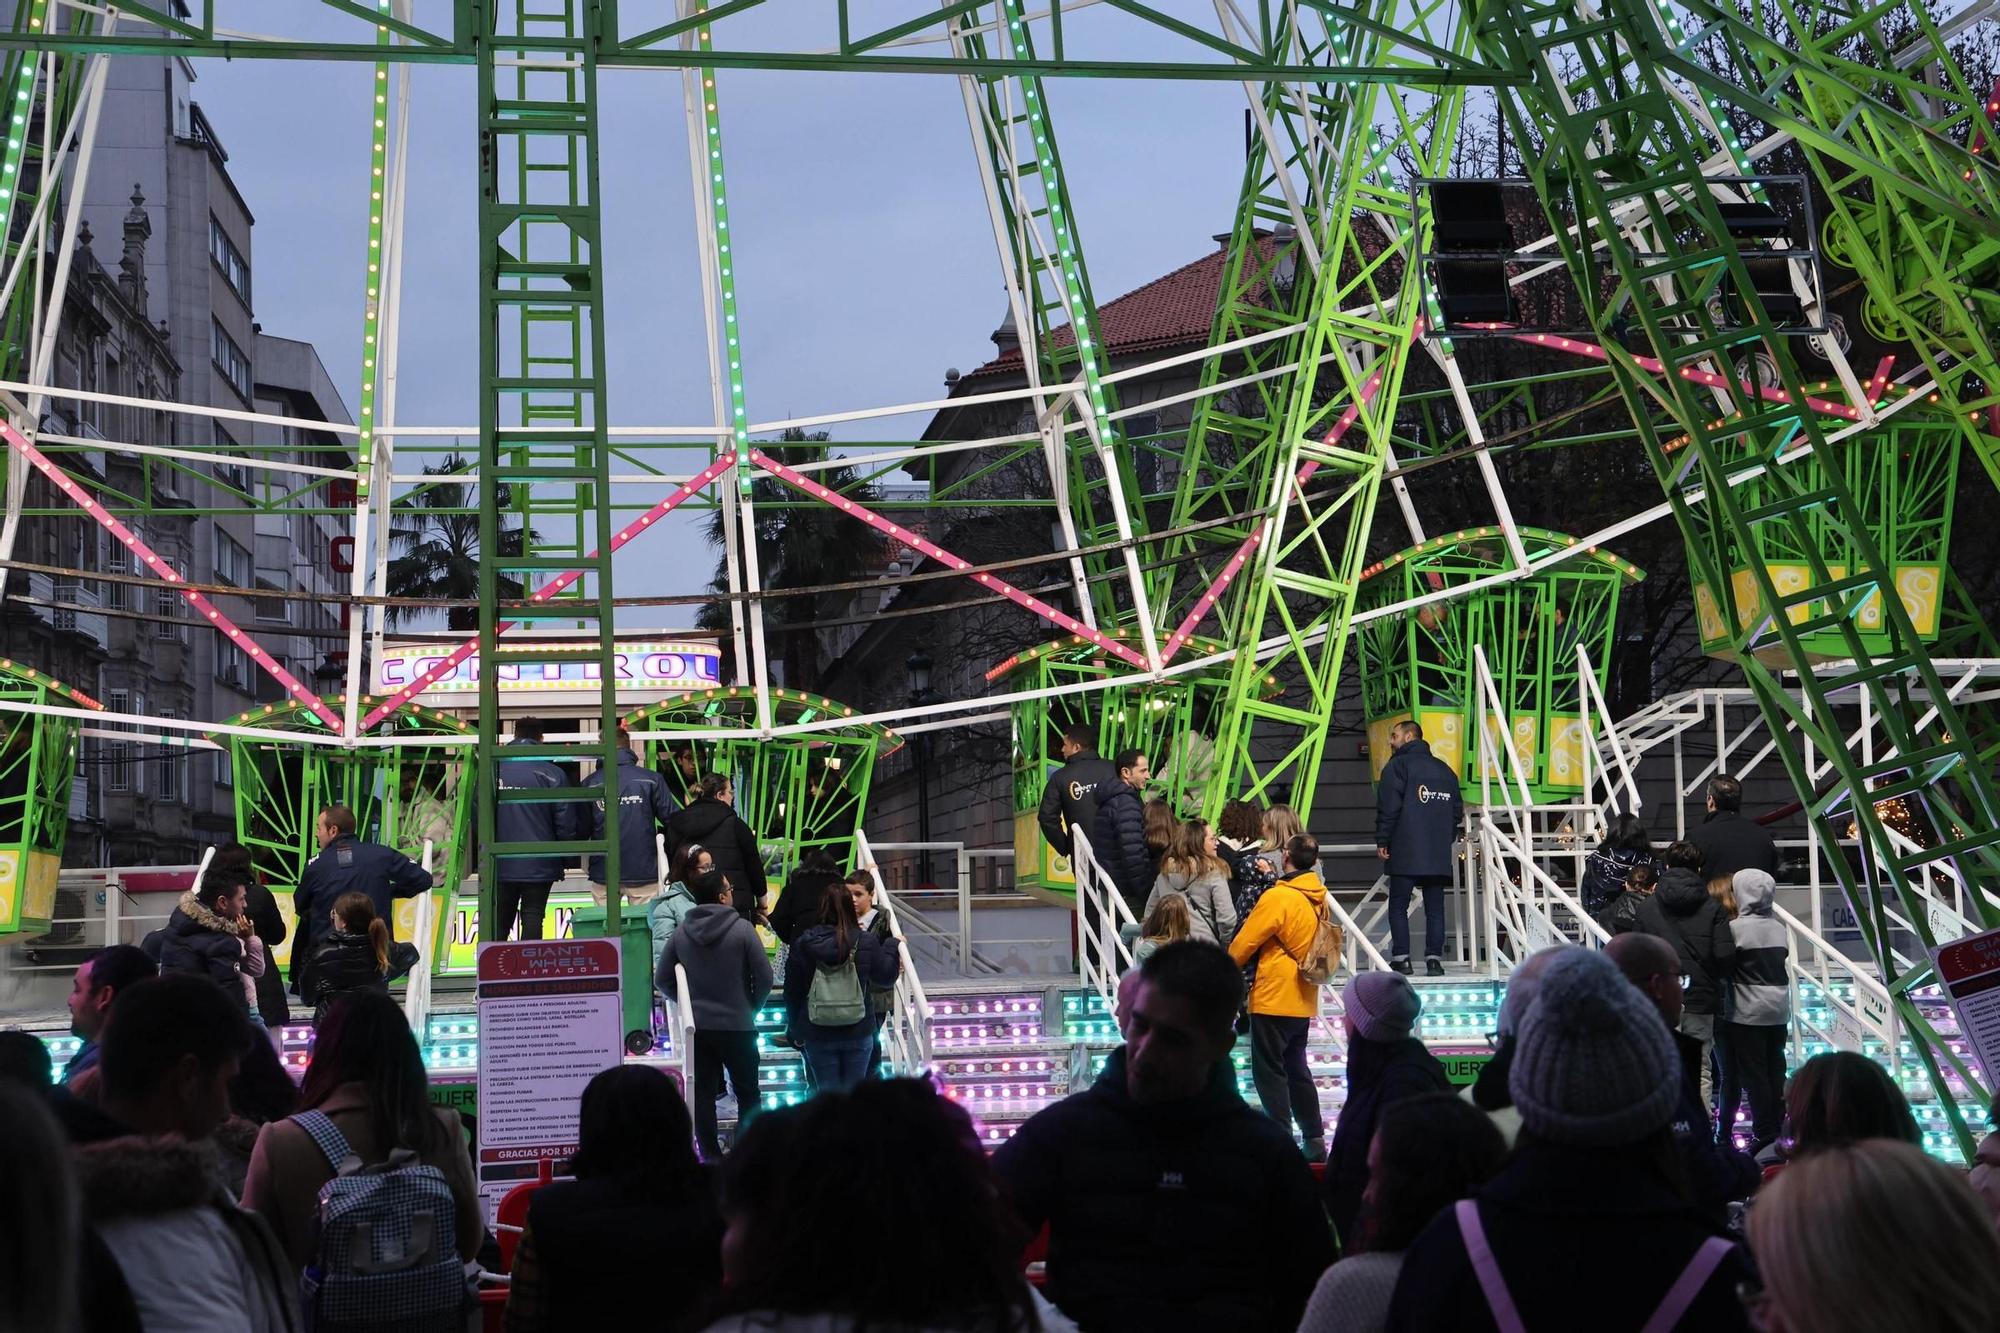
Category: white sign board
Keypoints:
(571, 671)
(1969, 971)
(549, 1022)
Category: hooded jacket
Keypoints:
(1760, 992)
(729, 975)
(534, 821)
(1379, 1074)
(643, 801)
(1118, 840)
(1276, 937)
(197, 940)
(717, 827)
(1069, 799)
(1208, 901)
(1196, 1214)
(1729, 843)
(665, 914)
(1417, 812)
(190, 1258)
(799, 902)
(1681, 913)
(344, 963)
(819, 946)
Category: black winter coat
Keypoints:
(1070, 798)
(1379, 1074)
(1730, 843)
(818, 947)
(1195, 1215)
(344, 963)
(1681, 913)
(349, 865)
(1118, 840)
(261, 906)
(798, 904)
(1720, 1175)
(536, 821)
(197, 940)
(1623, 913)
(643, 802)
(1548, 1216)
(591, 1236)
(1604, 875)
(715, 826)
(1417, 812)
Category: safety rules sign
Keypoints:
(1969, 971)
(548, 1023)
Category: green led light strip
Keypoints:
(725, 263)
(371, 321)
(17, 128)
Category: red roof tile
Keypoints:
(1171, 311)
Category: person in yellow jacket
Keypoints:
(1283, 1004)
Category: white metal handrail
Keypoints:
(1872, 1011)
(417, 995)
(660, 866)
(682, 1018)
(1588, 695)
(909, 1023)
(1357, 941)
(1103, 954)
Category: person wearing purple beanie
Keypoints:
(1386, 1063)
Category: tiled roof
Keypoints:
(1171, 311)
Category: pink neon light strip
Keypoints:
(1824, 406)
(169, 574)
(1229, 571)
(800, 481)
(555, 585)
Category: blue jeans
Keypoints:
(840, 1064)
(1400, 888)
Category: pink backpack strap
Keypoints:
(1689, 1284)
(1498, 1300)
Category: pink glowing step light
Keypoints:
(169, 574)
(799, 481)
(555, 585)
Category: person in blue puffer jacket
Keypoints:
(525, 881)
(644, 805)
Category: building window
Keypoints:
(225, 774)
(167, 606)
(275, 609)
(235, 268)
(232, 665)
(117, 774)
(230, 474)
(230, 360)
(170, 775)
(232, 561)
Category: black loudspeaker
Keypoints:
(1470, 218)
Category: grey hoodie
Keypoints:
(729, 975)
(1207, 899)
(1760, 991)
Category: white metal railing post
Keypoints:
(913, 1007)
(114, 909)
(683, 1001)
(661, 868)
(201, 867)
(964, 912)
(417, 994)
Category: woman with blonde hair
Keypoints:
(1723, 890)
(1281, 825)
(1873, 1235)
(1192, 870)
(1168, 921)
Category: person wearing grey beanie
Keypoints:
(1596, 1078)
(1386, 1064)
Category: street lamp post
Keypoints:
(921, 694)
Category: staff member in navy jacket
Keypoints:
(346, 864)
(1417, 811)
(525, 881)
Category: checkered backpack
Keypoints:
(385, 1244)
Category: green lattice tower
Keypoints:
(1419, 664)
(1169, 721)
(37, 761)
(1090, 465)
(1616, 136)
(33, 102)
(1340, 407)
(401, 794)
(541, 347)
(797, 793)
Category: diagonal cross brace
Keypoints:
(555, 585)
(800, 481)
(19, 443)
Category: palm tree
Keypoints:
(801, 543)
(434, 547)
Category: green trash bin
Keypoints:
(635, 955)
